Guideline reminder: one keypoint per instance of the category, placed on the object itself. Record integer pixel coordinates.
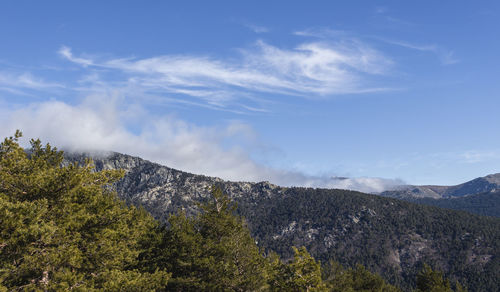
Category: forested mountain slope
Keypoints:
(489, 183)
(391, 237)
(64, 228)
(486, 204)
(479, 196)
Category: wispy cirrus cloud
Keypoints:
(14, 82)
(309, 69)
(325, 33)
(447, 57)
(476, 156)
(256, 28)
(66, 53)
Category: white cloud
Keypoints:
(256, 28)
(324, 33)
(12, 82)
(310, 69)
(66, 53)
(100, 124)
(381, 10)
(447, 57)
(475, 156)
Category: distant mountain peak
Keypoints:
(489, 183)
(493, 178)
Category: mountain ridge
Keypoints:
(488, 183)
(390, 237)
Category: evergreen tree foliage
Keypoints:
(213, 251)
(429, 280)
(450, 239)
(339, 279)
(62, 228)
(302, 273)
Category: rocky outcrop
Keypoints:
(162, 190)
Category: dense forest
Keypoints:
(486, 204)
(389, 237)
(62, 227)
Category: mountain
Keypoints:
(489, 183)
(391, 237)
(479, 196)
(486, 204)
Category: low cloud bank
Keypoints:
(99, 124)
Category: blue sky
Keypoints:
(298, 93)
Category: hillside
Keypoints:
(479, 196)
(479, 185)
(390, 237)
(486, 204)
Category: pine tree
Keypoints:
(302, 273)
(62, 227)
(213, 251)
(339, 279)
(429, 280)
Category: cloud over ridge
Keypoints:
(99, 125)
(243, 84)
